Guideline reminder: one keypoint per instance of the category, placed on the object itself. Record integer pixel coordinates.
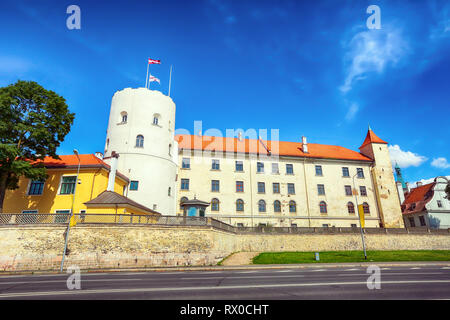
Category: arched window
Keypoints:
(350, 208)
(140, 141)
(323, 207)
(292, 206)
(366, 208)
(261, 206)
(183, 199)
(276, 206)
(215, 204)
(239, 205)
(156, 117)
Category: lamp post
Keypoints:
(357, 209)
(75, 151)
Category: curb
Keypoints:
(246, 267)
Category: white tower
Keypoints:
(141, 130)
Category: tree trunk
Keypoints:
(3, 178)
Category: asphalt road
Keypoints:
(405, 282)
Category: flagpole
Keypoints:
(170, 78)
(146, 78)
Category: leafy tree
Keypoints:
(33, 123)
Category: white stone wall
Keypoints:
(153, 165)
(306, 195)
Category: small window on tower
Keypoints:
(123, 117)
(156, 117)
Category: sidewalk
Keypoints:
(253, 267)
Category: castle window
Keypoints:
(345, 172)
(183, 199)
(348, 190)
(239, 166)
(239, 186)
(318, 170)
(214, 185)
(276, 187)
(360, 172)
(36, 188)
(412, 223)
(134, 185)
(184, 184)
(123, 117)
(292, 206)
(186, 163)
(215, 204)
(422, 221)
(239, 205)
(320, 189)
(439, 203)
(291, 188)
(351, 208)
(289, 168)
(261, 187)
(323, 207)
(140, 141)
(68, 185)
(363, 191)
(275, 169)
(261, 206)
(215, 164)
(156, 119)
(169, 193)
(260, 167)
(366, 208)
(276, 206)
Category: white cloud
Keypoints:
(441, 163)
(354, 107)
(405, 159)
(372, 51)
(424, 181)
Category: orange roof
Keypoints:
(371, 137)
(282, 148)
(419, 197)
(71, 161)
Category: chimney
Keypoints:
(407, 187)
(419, 183)
(112, 173)
(199, 133)
(240, 136)
(99, 155)
(401, 195)
(304, 145)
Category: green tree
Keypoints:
(33, 123)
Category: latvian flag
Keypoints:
(152, 78)
(152, 61)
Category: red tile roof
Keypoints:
(371, 137)
(415, 200)
(282, 148)
(71, 161)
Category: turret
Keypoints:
(383, 179)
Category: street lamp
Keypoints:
(75, 151)
(359, 216)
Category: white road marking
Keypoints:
(249, 277)
(445, 268)
(285, 271)
(390, 274)
(196, 288)
(64, 280)
(416, 268)
(318, 270)
(351, 269)
(247, 272)
(385, 268)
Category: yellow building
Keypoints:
(56, 193)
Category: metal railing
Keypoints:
(89, 218)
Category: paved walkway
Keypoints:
(240, 259)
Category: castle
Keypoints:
(244, 181)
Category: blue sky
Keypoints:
(308, 68)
